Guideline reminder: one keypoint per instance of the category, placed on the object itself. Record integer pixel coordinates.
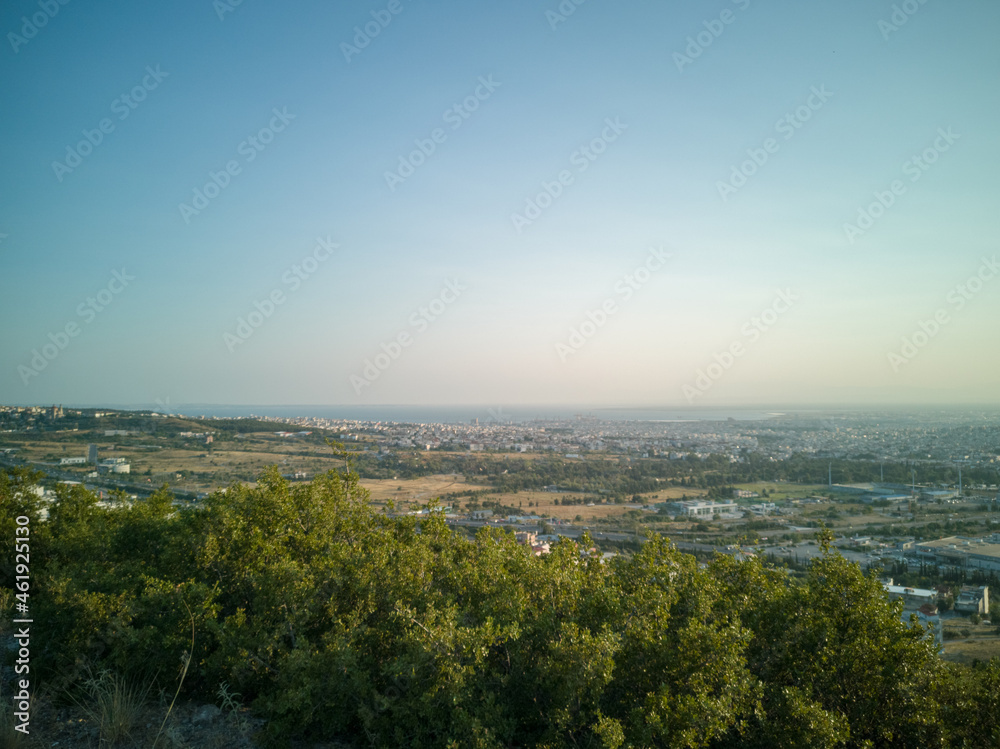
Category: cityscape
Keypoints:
(492, 375)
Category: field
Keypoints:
(194, 466)
(416, 490)
(544, 503)
(779, 491)
(982, 644)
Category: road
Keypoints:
(101, 482)
(570, 531)
(802, 552)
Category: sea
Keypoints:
(469, 414)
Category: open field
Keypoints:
(194, 466)
(975, 648)
(417, 490)
(544, 503)
(778, 491)
(982, 644)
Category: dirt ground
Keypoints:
(218, 466)
(188, 726)
(417, 490)
(982, 644)
(544, 503)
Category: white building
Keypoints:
(763, 508)
(700, 508)
(912, 597)
(114, 465)
(919, 602)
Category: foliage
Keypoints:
(114, 704)
(336, 621)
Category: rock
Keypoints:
(208, 713)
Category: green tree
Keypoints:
(836, 661)
(340, 622)
(970, 702)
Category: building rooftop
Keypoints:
(900, 590)
(963, 545)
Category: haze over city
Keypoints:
(465, 203)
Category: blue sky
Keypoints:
(865, 94)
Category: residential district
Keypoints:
(911, 493)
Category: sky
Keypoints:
(416, 202)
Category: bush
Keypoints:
(338, 622)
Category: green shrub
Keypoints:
(337, 622)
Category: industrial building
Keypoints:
(962, 553)
(700, 508)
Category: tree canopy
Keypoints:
(339, 621)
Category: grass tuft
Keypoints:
(114, 704)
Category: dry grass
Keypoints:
(114, 705)
(220, 462)
(982, 643)
(417, 490)
(780, 491)
(544, 503)
(974, 648)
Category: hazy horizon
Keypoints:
(452, 412)
(732, 205)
